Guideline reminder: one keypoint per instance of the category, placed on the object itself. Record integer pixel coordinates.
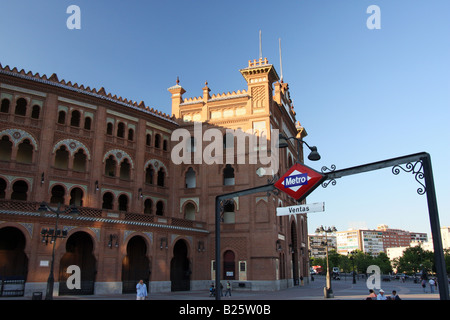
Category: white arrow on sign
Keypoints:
(301, 208)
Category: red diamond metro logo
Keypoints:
(299, 181)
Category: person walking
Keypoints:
(228, 290)
(424, 285)
(141, 290)
(431, 283)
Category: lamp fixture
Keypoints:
(111, 238)
(163, 241)
(282, 143)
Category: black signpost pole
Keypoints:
(414, 164)
(418, 164)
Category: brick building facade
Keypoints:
(142, 216)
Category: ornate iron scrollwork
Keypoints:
(326, 170)
(416, 169)
(327, 182)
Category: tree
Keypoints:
(414, 260)
(362, 261)
(382, 260)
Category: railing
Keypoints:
(28, 206)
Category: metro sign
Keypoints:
(299, 181)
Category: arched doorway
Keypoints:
(229, 268)
(135, 265)
(294, 254)
(79, 252)
(13, 262)
(180, 272)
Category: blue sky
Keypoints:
(362, 95)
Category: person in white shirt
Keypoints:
(381, 295)
(141, 290)
(432, 284)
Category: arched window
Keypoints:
(148, 139)
(125, 169)
(130, 134)
(76, 197)
(123, 202)
(25, 152)
(62, 158)
(190, 178)
(157, 141)
(21, 107)
(79, 161)
(35, 111)
(58, 193)
(149, 173)
(228, 212)
(228, 176)
(159, 208)
(62, 117)
(75, 119)
(87, 123)
(189, 211)
(110, 167)
(165, 145)
(5, 106)
(109, 129)
(20, 189)
(5, 148)
(161, 177)
(108, 200)
(148, 206)
(121, 130)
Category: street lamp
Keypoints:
(352, 259)
(328, 291)
(282, 143)
(53, 235)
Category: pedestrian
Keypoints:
(372, 295)
(228, 289)
(424, 285)
(432, 283)
(381, 295)
(395, 296)
(301, 280)
(212, 291)
(141, 290)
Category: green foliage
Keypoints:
(413, 260)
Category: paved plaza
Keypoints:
(343, 289)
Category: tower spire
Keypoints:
(260, 45)
(281, 63)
